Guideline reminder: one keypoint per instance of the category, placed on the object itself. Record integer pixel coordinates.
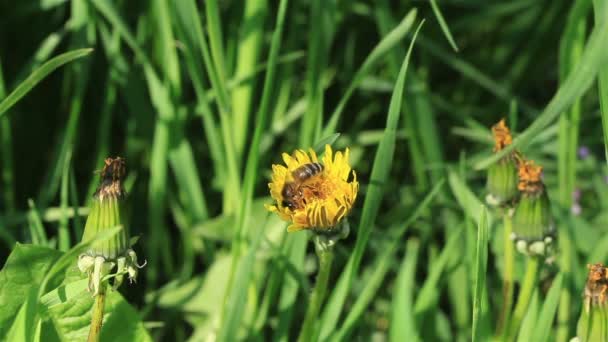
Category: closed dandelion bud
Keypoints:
(107, 212)
(502, 175)
(533, 227)
(593, 322)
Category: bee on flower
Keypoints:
(311, 193)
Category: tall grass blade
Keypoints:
(387, 43)
(382, 164)
(403, 324)
(481, 265)
(542, 328)
(599, 8)
(38, 75)
(594, 57)
(444, 26)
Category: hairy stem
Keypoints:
(97, 315)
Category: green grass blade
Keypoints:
(480, 273)
(528, 325)
(253, 157)
(600, 7)
(387, 43)
(380, 269)
(443, 24)
(6, 152)
(542, 329)
(594, 57)
(428, 297)
(403, 324)
(38, 75)
(381, 167)
(467, 199)
(249, 46)
(235, 305)
(315, 66)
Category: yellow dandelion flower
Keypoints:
(312, 194)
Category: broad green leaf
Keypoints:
(25, 321)
(72, 318)
(24, 270)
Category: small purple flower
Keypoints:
(583, 152)
(606, 179)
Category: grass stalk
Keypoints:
(527, 290)
(507, 287)
(326, 257)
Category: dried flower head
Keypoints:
(529, 177)
(534, 232)
(311, 194)
(502, 175)
(594, 316)
(502, 135)
(596, 288)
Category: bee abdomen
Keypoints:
(307, 170)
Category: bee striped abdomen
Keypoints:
(306, 171)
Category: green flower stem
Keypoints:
(525, 294)
(507, 288)
(97, 315)
(565, 300)
(326, 257)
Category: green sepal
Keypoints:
(502, 182)
(533, 227)
(593, 324)
(107, 212)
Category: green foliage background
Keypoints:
(202, 97)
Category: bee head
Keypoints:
(288, 204)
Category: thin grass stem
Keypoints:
(525, 294)
(507, 287)
(326, 257)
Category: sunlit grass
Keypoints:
(201, 98)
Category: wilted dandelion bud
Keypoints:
(502, 175)
(314, 195)
(533, 227)
(107, 212)
(593, 322)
